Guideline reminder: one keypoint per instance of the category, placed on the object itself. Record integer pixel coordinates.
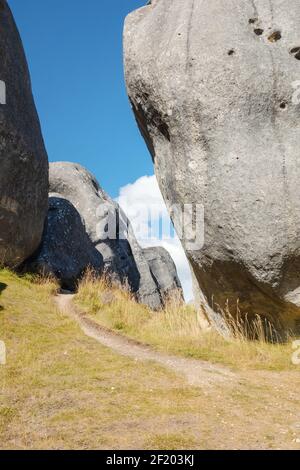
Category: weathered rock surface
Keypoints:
(66, 250)
(23, 159)
(214, 89)
(76, 236)
(163, 270)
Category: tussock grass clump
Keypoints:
(176, 329)
(251, 328)
(48, 283)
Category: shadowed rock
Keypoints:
(23, 159)
(66, 250)
(86, 228)
(213, 86)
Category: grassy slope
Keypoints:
(61, 389)
(176, 330)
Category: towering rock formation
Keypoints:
(23, 159)
(85, 228)
(215, 90)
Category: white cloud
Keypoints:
(142, 198)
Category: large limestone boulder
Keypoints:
(163, 270)
(214, 89)
(23, 159)
(85, 228)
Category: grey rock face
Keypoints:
(163, 270)
(76, 235)
(214, 89)
(66, 250)
(23, 159)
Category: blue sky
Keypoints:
(74, 50)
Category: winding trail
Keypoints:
(196, 372)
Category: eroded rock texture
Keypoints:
(163, 270)
(66, 250)
(214, 89)
(23, 159)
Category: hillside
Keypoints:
(61, 389)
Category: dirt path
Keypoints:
(196, 372)
(125, 395)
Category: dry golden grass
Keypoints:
(253, 328)
(176, 329)
(62, 390)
